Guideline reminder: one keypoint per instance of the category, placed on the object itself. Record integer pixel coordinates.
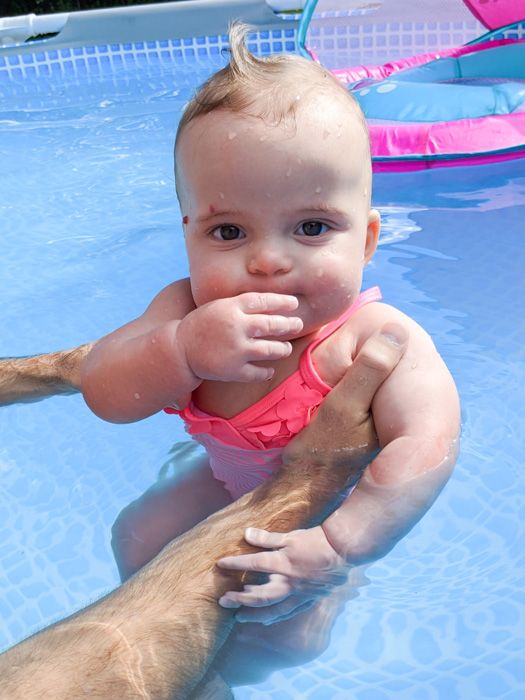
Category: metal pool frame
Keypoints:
(172, 20)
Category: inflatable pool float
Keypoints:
(455, 106)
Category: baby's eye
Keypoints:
(228, 232)
(312, 228)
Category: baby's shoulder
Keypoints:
(173, 302)
(372, 317)
(336, 353)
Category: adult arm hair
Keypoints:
(156, 635)
(28, 379)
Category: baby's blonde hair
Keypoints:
(270, 88)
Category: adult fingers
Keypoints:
(375, 361)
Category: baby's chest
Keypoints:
(330, 360)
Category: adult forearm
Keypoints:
(155, 636)
(26, 379)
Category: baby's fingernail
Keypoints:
(227, 603)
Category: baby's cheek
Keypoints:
(208, 285)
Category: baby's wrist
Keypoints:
(180, 348)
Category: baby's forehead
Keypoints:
(331, 114)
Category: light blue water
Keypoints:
(90, 232)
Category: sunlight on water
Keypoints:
(91, 231)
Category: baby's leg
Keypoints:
(253, 651)
(167, 509)
(212, 687)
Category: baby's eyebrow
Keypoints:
(323, 209)
(218, 214)
(307, 210)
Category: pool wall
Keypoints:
(143, 23)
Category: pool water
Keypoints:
(91, 232)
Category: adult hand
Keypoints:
(342, 432)
(249, 325)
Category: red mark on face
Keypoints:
(212, 209)
(185, 219)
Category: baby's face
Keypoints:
(278, 208)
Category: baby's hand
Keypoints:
(223, 338)
(302, 566)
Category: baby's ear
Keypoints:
(372, 234)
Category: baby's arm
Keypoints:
(417, 418)
(416, 414)
(162, 356)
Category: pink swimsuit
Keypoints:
(246, 449)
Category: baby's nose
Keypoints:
(268, 260)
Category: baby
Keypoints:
(273, 176)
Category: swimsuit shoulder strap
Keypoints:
(369, 295)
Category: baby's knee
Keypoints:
(301, 638)
(307, 635)
(302, 646)
(141, 530)
(130, 542)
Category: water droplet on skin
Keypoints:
(413, 365)
(318, 190)
(262, 138)
(153, 341)
(231, 135)
(297, 98)
(136, 395)
(221, 195)
(288, 172)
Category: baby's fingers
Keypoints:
(267, 562)
(271, 326)
(260, 350)
(274, 591)
(264, 302)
